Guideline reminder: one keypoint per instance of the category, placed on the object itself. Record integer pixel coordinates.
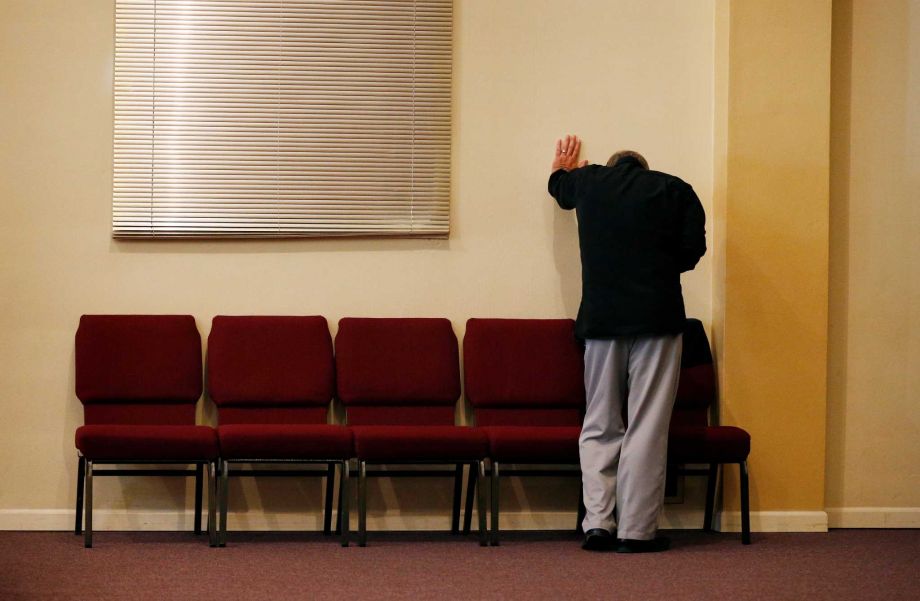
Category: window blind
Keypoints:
(271, 118)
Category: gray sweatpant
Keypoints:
(625, 466)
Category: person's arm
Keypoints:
(693, 230)
(563, 185)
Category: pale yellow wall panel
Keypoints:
(774, 307)
(874, 365)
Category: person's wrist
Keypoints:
(561, 164)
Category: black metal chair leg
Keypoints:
(198, 491)
(670, 480)
(362, 504)
(711, 481)
(88, 529)
(471, 483)
(582, 510)
(745, 505)
(78, 514)
(330, 487)
(223, 495)
(480, 486)
(212, 504)
(338, 513)
(344, 502)
(458, 495)
(494, 498)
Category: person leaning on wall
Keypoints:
(638, 230)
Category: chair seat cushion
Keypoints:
(117, 441)
(708, 444)
(533, 444)
(408, 443)
(284, 441)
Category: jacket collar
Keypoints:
(628, 160)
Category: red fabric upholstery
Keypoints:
(272, 415)
(139, 413)
(284, 441)
(523, 363)
(695, 393)
(696, 388)
(270, 360)
(412, 415)
(138, 358)
(115, 441)
(690, 438)
(397, 362)
(529, 417)
(709, 444)
(541, 444)
(525, 381)
(697, 418)
(408, 443)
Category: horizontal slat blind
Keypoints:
(281, 118)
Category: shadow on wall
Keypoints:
(839, 235)
(567, 258)
(275, 245)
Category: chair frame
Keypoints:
(495, 472)
(678, 465)
(342, 521)
(86, 470)
(479, 473)
(556, 333)
(713, 474)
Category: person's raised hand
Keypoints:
(567, 150)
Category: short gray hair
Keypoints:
(627, 153)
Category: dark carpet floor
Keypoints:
(843, 564)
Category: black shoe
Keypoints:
(656, 545)
(598, 539)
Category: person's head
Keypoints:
(622, 154)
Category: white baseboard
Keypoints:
(873, 517)
(673, 517)
(775, 521)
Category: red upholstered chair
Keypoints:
(139, 379)
(525, 381)
(399, 380)
(272, 381)
(692, 440)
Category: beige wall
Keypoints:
(873, 460)
(726, 94)
(621, 74)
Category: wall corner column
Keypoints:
(770, 284)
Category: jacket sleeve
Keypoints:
(693, 230)
(562, 186)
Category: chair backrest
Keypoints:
(397, 371)
(524, 372)
(138, 369)
(697, 388)
(270, 369)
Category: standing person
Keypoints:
(638, 231)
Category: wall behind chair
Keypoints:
(622, 74)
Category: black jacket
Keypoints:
(638, 231)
